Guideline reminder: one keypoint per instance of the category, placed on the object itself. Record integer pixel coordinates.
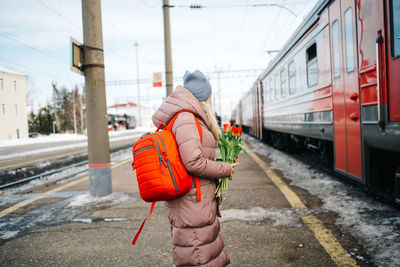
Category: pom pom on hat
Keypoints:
(197, 84)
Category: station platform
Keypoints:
(264, 222)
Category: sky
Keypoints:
(223, 35)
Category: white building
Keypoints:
(132, 109)
(13, 118)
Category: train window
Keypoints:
(292, 77)
(1, 84)
(348, 31)
(335, 49)
(312, 67)
(265, 91)
(271, 90)
(395, 27)
(276, 78)
(283, 83)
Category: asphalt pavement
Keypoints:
(259, 225)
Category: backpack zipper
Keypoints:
(159, 153)
(142, 149)
(168, 163)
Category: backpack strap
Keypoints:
(141, 227)
(200, 130)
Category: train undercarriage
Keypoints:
(381, 166)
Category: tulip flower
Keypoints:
(226, 128)
(230, 145)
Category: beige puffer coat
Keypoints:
(194, 225)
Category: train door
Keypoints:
(346, 106)
(393, 58)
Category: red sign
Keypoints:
(157, 79)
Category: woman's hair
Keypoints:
(212, 120)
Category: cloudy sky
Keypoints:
(224, 35)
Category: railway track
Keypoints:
(25, 174)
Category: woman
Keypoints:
(194, 224)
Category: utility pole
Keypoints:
(96, 108)
(73, 108)
(167, 47)
(138, 85)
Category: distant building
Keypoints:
(13, 118)
(132, 109)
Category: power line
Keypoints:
(226, 74)
(24, 43)
(30, 68)
(225, 6)
(59, 14)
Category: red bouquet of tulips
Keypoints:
(230, 144)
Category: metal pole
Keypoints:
(96, 108)
(138, 85)
(167, 46)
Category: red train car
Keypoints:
(334, 89)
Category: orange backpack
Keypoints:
(160, 173)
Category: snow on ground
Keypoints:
(73, 205)
(281, 217)
(54, 138)
(81, 142)
(375, 225)
(59, 212)
(86, 199)
(11, 195)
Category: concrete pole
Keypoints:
(167, 46)
(96, 108)
(138, 85)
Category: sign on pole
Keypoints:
(157, 79)
(76, 56)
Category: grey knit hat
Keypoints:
(197, 84)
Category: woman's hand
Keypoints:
(233, 165)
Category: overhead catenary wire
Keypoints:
(60, 15)
(26, 44)
(30, 68)
(230, 6)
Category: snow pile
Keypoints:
(282, 217)
(375, 225)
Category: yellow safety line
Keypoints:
(57, 189)
(324, 236)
